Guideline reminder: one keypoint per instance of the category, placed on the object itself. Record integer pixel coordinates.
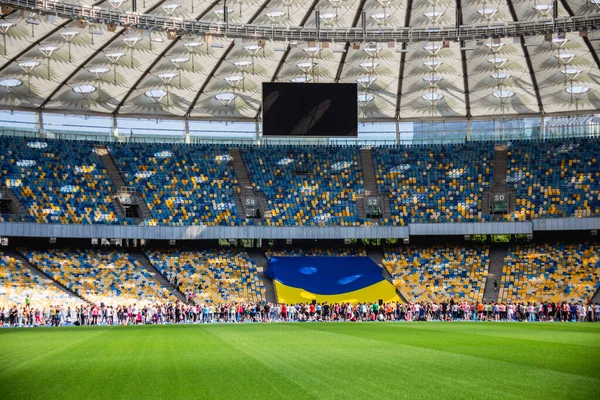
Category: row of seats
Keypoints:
(307, 185)
(18, 284)
(551, 272)
(434, 183)
(316, 252)
(100, 276)
(438, 273)
(57, 181)
(64, 182)
(555, 179)
(182, 185)
(211, 275)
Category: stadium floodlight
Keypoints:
(301, 79)
(495, 46)
(235, 80)
(98, 73)
(559, 41)
(312, 51)
(192, 47)
(433, 65)
(384, 3)
(47, 51)
(167, 77)
(503, 95)
(433, 98)
(364, 100)
(253, 49)
(10, 83)
(226, 98)
(131, 41)
(369, 66)
(306, 67)
(381, 18)
(28, 67)
(156, 95)
(577, 92)
(432, 49)
(565, 58)
(488, 13)
(4, 28)
(243, 65)
(366, 81)
(69, 36)
(500, 77)
(178, 62)
(328, 18)
(432, 80)
(498, 62)
(114, 59)
(117, 3)
(433, 3)
(221, 12)
(543, 9)
(84, 90)
(372, 50)
(434, 16)
(170, 8)
(571, 73)
(276, 16)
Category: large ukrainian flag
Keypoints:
(329, 279)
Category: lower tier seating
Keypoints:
(211, 275)
(551, 272)
(100, 276)
(18, 283)
(438, 273)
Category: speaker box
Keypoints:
(583, 33)
(81, 24)
(111, 27)
(446, 44)
(261, 42)
(356, 45)
(171, 35)
(324, 45)
(4, 10)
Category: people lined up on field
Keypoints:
(174, 313)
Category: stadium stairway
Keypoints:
(117, 180)
(258, 256)
(24, 261)
(596, 298)
(500, 167)
(377, 256)
(145, 262)
(247, 188)
(370, 184)
(16, 207)
(497, 255)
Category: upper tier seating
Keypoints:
(182, 185)
(555, 178)
(551, 272)
(316, 252)
(434, 183)
(64, 182)
(212, 275)
(57, 181)
(17, 283)
(307, 185)
(438, 273)
(100, 276)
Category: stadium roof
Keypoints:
(62, 65)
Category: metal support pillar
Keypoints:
(468, 129)
(39, 121)
(115, 128)
(542, 126)
(187, 131)
(397, 132)
(257, 132)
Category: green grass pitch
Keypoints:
(304, 361)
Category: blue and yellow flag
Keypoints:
(329, 279)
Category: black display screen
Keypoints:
(310, 109)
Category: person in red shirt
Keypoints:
(284, 312)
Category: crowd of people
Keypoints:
(179, 313)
